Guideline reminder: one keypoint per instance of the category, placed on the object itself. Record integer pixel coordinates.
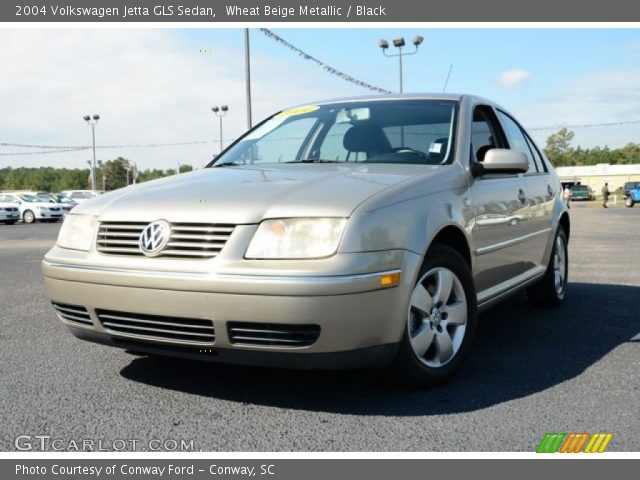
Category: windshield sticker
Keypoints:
(297, 111)
(435, 147)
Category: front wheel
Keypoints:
(441, 321)
(29, 217)
(551, 289)
(629, 202)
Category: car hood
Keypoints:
(8, 205)
(249, 194)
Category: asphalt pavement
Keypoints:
(533, 371)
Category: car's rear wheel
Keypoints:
(441, 321)
(629, 202)
(28, 217)
(551, 290)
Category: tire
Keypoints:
(433, 347)
(552, 288)
(28, 217)
(629, 202)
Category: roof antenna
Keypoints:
(446, 82)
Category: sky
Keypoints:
(158, 85)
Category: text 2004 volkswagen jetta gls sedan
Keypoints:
(346, 233)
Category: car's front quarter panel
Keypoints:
(410, 216)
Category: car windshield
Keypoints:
(30, 198)
(382, 131)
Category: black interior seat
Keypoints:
(366, 137)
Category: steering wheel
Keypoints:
(410, 150)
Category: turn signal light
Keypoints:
(390, 279)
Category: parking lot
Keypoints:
(573, 369)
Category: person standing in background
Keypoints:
(605, 194)
(566, 195)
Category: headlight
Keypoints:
(77, 231)
(296, 238)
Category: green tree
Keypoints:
(112, 174)
(559, 146)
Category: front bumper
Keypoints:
(48, 215)
(360, 322)
(6, 216)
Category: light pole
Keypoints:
(93, 120)
(399, 43)
(220, 112)
(247, 74)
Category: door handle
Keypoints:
(549, 190)
(521, 196)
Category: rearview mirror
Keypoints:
(503, 160)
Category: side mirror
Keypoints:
(502, 160)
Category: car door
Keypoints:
(539, 188)
(500, 211)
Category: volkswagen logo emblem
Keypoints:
(154, 238)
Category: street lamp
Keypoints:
(247, 75)
(220, 112)
(93, 120)
(399, 44)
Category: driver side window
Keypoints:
(485, 133)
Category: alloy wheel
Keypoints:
(437, 317)
(559, 265)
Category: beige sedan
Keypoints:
(346, 233)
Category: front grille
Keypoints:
(54, 209)
(272, 334)
(73, 313)
(9, 209)
(200, 240)
(154, 327)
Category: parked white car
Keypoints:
(9, 213)
(79, 196)
(32, 208)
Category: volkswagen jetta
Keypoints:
(345, 233)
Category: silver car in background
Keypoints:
(348, 233)
(9, 212)
(34, 208)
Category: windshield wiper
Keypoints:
(227, 164)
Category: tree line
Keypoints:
(120, 172)
(110, 175)
(561, 153)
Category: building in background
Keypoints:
(595, 176)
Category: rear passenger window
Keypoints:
(536, 154)
(517, 140)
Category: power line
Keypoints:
(48, 149)
(45, 152)
(587, 125)
(321, 64)
(27, 145)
